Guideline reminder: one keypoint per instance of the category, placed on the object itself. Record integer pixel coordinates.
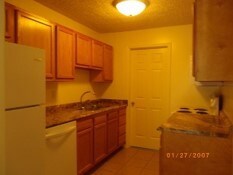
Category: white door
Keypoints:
(150, 94)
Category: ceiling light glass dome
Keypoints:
(130, 7)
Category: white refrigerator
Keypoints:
(25, 110)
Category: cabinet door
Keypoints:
(83, 49)
(122, 127)
(213, 40)
(112, 135)
(100, 142)
(65, 49)
(107, 73)
(9, 23)
(108, 63)
(38, 33)
(84, 150)
(97, 54)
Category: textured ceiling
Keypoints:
(101, 16)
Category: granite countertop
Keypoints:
(209, 125)
(59, 114)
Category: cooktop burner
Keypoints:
(193, 110)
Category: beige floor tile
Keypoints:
(149, 172)
(144, 155)
(156, 156)
(152, 165)
(131, 161)
(103, 172)
(129, 171)
(111, 166)
(138, 163)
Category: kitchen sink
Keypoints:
(93, 106)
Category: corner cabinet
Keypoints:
(112, 130)
(122, 126)
(65, 53)
(213, 40)
(105, 75)
(36, 32)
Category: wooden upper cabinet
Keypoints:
(65, 53)
(108, 63)
(39, 33)
(107, 73)
(9, 22)
(83, 50)
(213, 40)
(97, 54)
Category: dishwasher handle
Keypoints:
(58, 134)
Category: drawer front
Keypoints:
(112, 115)
(121, 140)
(85, 124)
(100, 119)
(122, 111)
(122, 129)
(122, 120)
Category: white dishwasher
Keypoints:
(60, 155)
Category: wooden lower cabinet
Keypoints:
(122, 127)
(112, 131)
(84, 146)
(100, 138)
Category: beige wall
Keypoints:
(63, 92)
(183, 91)
(2, 114)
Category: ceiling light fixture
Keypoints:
(130, 7)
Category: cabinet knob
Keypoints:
(132, 103)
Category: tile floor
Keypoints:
(131, 161)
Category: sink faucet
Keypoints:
(83, 94)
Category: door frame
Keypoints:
(141, 47)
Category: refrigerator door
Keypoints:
(25, 143)
(25, 76)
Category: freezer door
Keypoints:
(25, 75)
(25, 143)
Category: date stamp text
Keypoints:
(186, 155)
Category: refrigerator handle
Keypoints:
(58, 134)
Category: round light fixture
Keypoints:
(130, 7)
